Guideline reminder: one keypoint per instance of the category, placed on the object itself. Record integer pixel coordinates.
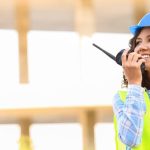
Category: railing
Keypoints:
(87, 116)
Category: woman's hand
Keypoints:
(131, 65)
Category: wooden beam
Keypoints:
(84, 17)
(139, 9)
(25, 142)
(56, 114)
(87, 120)
(25, 126)
(22, 25)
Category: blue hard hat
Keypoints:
(144, 22)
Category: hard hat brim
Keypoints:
(134, 29)
(144, 22)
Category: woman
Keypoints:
(132, 107)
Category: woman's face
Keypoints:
(143, 46)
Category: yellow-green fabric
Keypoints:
(25, 143)
(145, 143)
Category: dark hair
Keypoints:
(145, 79)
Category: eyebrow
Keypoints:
(138, 38)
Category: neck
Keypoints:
(148, 74)
(146, 80)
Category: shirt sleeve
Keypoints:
(130, 115)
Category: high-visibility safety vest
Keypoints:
(145, 143)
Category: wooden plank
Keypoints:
(87, 120)
(25, 142)
(84, 17)
(139, 9)
(25, 126)
(55, 114)
(22, 24)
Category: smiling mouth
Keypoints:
(146, 56)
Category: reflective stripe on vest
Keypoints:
(145, 143)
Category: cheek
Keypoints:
(137, 50)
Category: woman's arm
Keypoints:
(130, 115)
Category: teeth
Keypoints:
(145, 56)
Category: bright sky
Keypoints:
(64, 69)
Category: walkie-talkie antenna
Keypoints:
(117, 58)
(104, 51)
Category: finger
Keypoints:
(136, 57)
(140, 61)
(131, 56)
(124, 56)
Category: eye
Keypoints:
(137, 43)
